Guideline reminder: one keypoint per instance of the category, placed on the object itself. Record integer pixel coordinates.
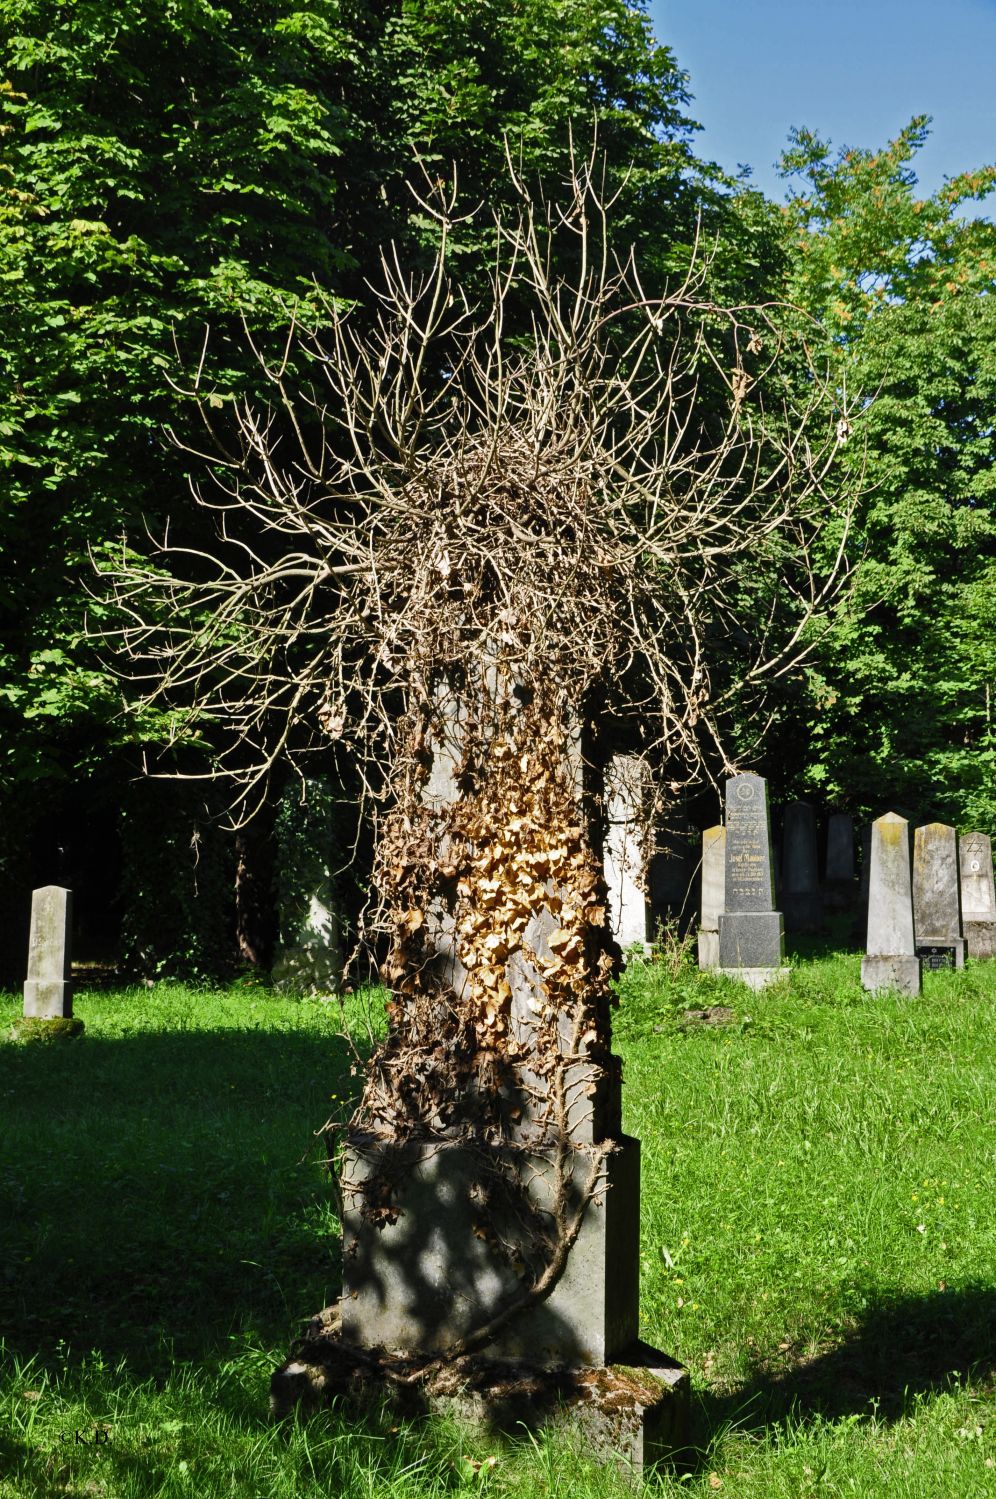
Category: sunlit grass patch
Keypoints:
(818, 1245)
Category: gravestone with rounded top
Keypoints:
(839, 885)
(936, 903)
(802, 904)
(978, 895)
(48, 988)
(751, 934)
(713, 895)
(891, 961)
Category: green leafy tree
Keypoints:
(898, 706)
(168, 169)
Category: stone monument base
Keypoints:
(634, 1411)
(45, 1028)
(48, 999)
(980, 939)
(708, 948)
(437, 1257)
(751, 940)
(900, 971)
(756, 978)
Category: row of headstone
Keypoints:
(931, 908)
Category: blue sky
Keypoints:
(856, 72)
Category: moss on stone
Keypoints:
(37, 1028)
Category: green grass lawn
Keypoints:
(819, 1246)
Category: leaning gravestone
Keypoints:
(625, 853)
(978, 895)
(838, 885)
(890, 961)
(936, 903)
(713, 895)
(802, 904)
(751, 934)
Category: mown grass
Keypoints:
(819, 1246)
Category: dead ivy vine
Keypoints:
(480, 532)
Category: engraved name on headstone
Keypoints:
(978, 895)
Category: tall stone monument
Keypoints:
(626, 861)
(978, 895)
(936, 902)
(713, 895)
(839, 890)
(890, 961)
(751, 933)
(48, 988)
(802, 904)
(450, 1225)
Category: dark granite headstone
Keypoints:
(838, 886)
(751, 935)
(802, 903)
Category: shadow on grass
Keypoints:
(161, 1195)
(903, 1349)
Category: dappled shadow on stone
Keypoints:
(903, 1349)
(160, 1193)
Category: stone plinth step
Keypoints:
(634, 1412)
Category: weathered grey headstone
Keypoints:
(48, 988)
(309, 956)
(839, 890)
(936, 903)
(751, 934)
(890, 961)
(626, 860)
(978, 895)
(802, 904)
(713, 895)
